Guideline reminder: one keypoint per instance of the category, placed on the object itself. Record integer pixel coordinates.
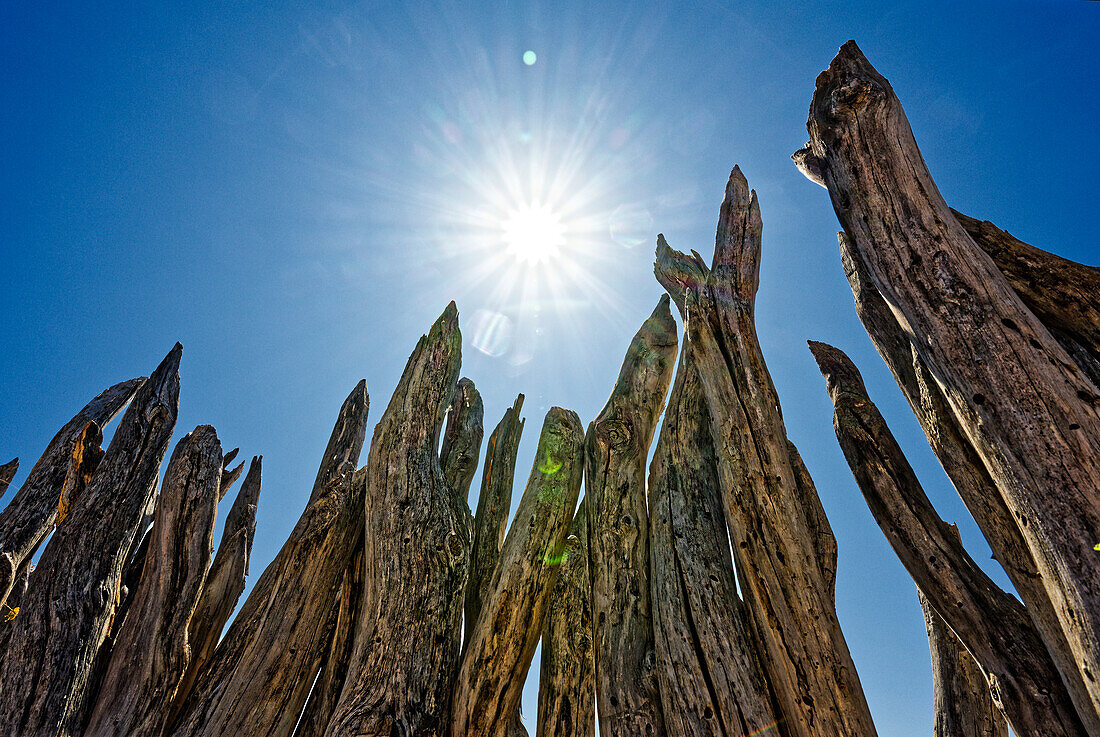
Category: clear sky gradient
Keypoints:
(295, 192)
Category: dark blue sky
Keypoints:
(296, 191)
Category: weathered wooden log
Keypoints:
(462, 439)
(1027, 409)
(47, 670)
(963, 705)
(775, 521)
(495, 662)
(711, 681)
(416, 553)
(347, 438)
(993, 625)
(1064, 294)
(31, 514)
(223, 585)
(252, 687)
(85, 458)
(10, 609)
(616, 451)
(493, 503)
(7, 473)
(567, 677)
(150, 653)
(229, 475)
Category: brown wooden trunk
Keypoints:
(416, 553)
(1019, 398)
(963, 706)
(495, 661)
(992, 625)
(68, 609)
(7, 473)
(567, 676)
(782, 545)
(616, 450)
(462, 440)
(150, 653)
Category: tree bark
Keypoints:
(262, 670)
(67, 613)
(150, 654)
(616, 450)
(711, 681)
(992, 625)
(462, 438)
(32, 513)
(223, 585)
(963, 705)
(416, 553)
(1027, 409)
(567, 678)
(495, 662)
(775, 520)
(493, 503)
(347, 438)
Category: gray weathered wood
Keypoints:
(31, 514)
(151, 651)
(262, 670)
(416, 552)
(67, 612)
(963, 705)
(495, 661)
(1027, 409)
(775, 523)
(223, 585)
(7, 473)
(462, 439)
(347, 438)
(992, 625)
(493, 503)
(711, 680)
(83, 462)
(616, 451)
(567, 677)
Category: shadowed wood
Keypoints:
(462, 438)
(416, 552)
(495, 661)
(347, 438)
(963, 706)
(7, 473)
(567, 677)
(992, 625)
(1019, 398)
(70, 604)
(31, 514)
(781, 541)
(85, 458)
(224, 583)
(711, 680)
(616, 450)
(151, 651)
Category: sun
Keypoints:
(533, 233)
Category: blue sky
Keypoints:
(296, 191)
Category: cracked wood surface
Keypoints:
(993, 625)
(616, 451)
(1019, 398)
(462, 439)
(498, 655)
(783, 547)
(48, 669)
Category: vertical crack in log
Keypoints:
(781, 541)
(993, 625)
(963, 704)
(493, 503)
(462, 438)
(151, 651)
(1018, 397)
(567, 678)
(32, 513)
(711, 682)
(68, 610)
(616, 450)
(495, 662)
(85, 459)
(416, 553)
(223, 585)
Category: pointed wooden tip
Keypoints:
(737, 188)
(660, 328)
(841, 375)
